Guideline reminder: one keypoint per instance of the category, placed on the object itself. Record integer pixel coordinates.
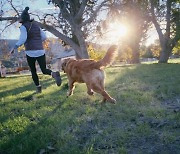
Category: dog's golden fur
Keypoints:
(89, 72)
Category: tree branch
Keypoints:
(168, 16)
(154, 20)
(66, 39)
(52, 30)
(9, 18)
(8, 26)
(81, 10)
(94, 14)
(10, 1)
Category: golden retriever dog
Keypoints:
(90, 72)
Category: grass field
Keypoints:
(145, 119)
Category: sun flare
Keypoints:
(116, 31)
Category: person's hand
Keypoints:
(11, 52)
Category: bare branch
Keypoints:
(7, 26)
(94, 14)
(66, 39)
(9, 18)
(168, 16)
(81, 10)
(36, 16)
(154, 20)
(51, 15)
(10, 1)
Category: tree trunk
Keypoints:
(135, 53)
(163, 57)
(84, 50)
(135, 58)
(82, 43)
(164, 54)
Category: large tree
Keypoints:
(138, 21)
(72, 23)
(135, 15)
(165, 15)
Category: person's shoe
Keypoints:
(38, 89)
(57, 77)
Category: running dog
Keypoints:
(90, 72)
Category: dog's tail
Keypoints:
(108, 58)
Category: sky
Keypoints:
(35, 5)
(42, 6)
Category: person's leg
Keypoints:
(42, 63)
(31, 62)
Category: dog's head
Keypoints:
(64, 64)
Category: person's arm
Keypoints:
(22, 38)
(43, 35)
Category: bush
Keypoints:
(148, 54)
(95, 54)
(125, 54)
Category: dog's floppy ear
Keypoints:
(64, 63)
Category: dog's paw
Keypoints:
(90, 93)
(113, 101)
(69, 94)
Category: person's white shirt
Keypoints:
(23, 38)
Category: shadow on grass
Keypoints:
(160, 79)
(22, 103)
(14, 107)
(17, 90)
(31, 134)
(30, 87)
(144, 89)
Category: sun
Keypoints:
(116, 31)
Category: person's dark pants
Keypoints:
(42, 63)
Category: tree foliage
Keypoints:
(151, 51)
(96, 54)
(176, 49)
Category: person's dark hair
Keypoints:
(25, 15)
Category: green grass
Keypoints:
(146, 117)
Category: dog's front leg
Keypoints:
(71, 88)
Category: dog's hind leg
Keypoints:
(107, 97)
(89, 90)
(102, 91)
(71, 88)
